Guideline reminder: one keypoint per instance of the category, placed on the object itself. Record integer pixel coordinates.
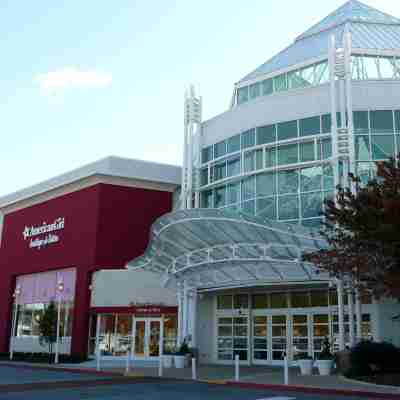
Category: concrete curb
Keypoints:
(63, 369)
(349, 380)
(315, 390)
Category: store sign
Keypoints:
(43, 235)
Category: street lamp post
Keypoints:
(16, 293)
(60, 289)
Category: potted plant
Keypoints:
(305, 362)
(167, 357)
(180, 355)
(325, 359)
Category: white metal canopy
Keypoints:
(216, 248)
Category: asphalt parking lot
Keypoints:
(18, 383)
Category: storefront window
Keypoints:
(300, 299)
(224, 302)
(278, 300)
(260, 301)
(240, 301)
(319, 298)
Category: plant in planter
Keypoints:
(305, 362)
(325, 359)
(180, 355)
(168, 357)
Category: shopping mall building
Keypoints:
(151, 255)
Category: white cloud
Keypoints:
(72, 78)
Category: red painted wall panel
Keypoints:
(105, 226)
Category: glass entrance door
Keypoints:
(279, 337)
(147, 336)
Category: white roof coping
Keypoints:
(109, 166)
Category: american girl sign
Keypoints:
(44, 234)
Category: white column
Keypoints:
(350, 303)
(375, 321)
(185, 313)
(98, 325)
(358, 316)
(339, 285)
(180, 313)
(193, 316)
(14, 324)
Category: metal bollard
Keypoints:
(98, 357)
(194, 371)
(128, 362)
(237, 367)
(286, 371)
(160, 366)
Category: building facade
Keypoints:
(69, 229)
(254, 183)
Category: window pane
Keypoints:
(288, 154)
(259, 159)
(309, 126)
(287, 130)
(288, 181)
(220, 197)
(248, 188)
(288, 207)
(311, 205)
(234, 144)
(219, 171)
(270, 157)
(206, 154)
(362, 148)
(266, 134)
(300, 299)
(307, 152)
(321, 73)
(326, 123)
(224, 302)
(204, 176)
(319, 299)
(386, 67)
(249, 161)
(324, 148)
(382, 146)
(233, 166)
(242, 95)
(254, 90)
(266, 185)
(267, 87)
(360, 121)
(249, 207)
(266, 207)
(328, 177)
(220, 149)
(233, 195)
(260, 301)
(310, 179)
(381, 121)
(370, 65)
(241, 301)
(248, 138)
(278, 300)
(397, 118)
(280, 83)
(206, 199)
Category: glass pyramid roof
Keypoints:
(352, 11)
(370, 28)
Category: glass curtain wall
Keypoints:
(282, 171)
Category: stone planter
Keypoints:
(167, 360)
(306, 366)
(179, 361)
(324, 367)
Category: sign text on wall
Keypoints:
(43, 235)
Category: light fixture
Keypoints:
(60, 286)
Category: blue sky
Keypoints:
(85, 79)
